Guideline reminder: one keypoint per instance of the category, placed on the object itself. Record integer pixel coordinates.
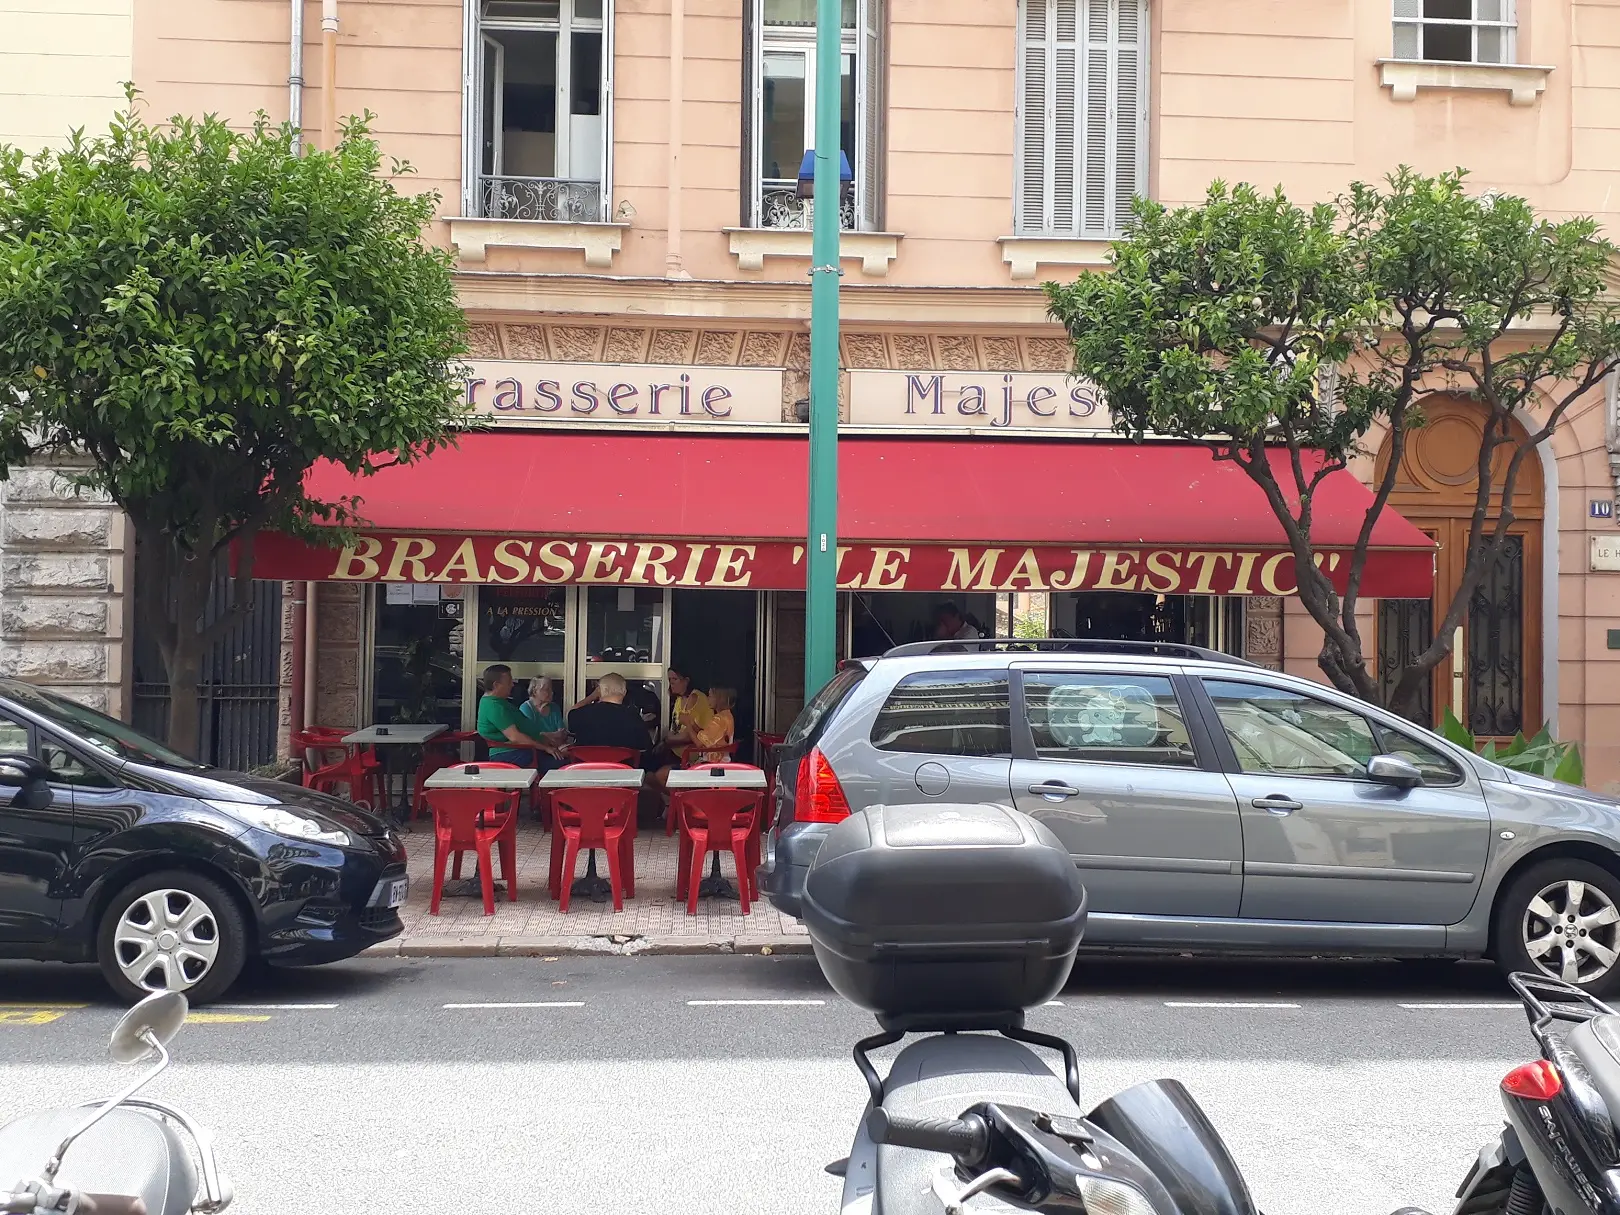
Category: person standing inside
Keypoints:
(951, 625)
(500, 721)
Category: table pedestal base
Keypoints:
(716, 886)
(592, 886)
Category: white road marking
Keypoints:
(279, 1007)
(755, 1003)
(1054, 1004)
(1460, 1005)
(1227, 1004)
(523, 1004)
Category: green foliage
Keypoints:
(194, 315)
(1540, 756)
(1284, 336)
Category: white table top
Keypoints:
(405, 733)
(592, 778)
(485, 778)
(703, 778)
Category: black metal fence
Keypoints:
(239, 695)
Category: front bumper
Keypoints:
(321, 904)
(781, 877)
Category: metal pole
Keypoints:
(821, 564)
(295, 77)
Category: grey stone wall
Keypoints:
(64, 573)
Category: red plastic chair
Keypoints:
(765, 746)
(617, 757)
(437, 754)
(357, 775)
(479, 821)
(559, 841)
(594, 818)
(717, 820)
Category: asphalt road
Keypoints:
(693, 1086)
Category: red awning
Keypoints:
(966, 512)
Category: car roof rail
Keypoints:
(1066, 645)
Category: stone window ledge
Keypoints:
(474, 237)
(874, 250)
(1026, 253)
(1522, 82)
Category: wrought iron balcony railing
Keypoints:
(781, 207)
(544, 198)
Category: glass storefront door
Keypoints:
(571, 634)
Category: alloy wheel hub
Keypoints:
(166, 940)
(1571, 931)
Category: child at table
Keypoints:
(720, 730)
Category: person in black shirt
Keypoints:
(603, 719)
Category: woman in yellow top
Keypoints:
(689, 707)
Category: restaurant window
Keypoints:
(417, 633)
(521, 624)
(1082, 115)
(538, 99)
(779, 127)
(946, 713)
(1455, 31)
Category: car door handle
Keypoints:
(1054, 788)
(1276, 804)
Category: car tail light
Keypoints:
(1538, 1081)
(818, 797)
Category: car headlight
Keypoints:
(282, 820)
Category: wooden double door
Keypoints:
(1492, 677)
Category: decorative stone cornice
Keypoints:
(1522, 82)
(474, 237)
(874, 250)
(1025, 254)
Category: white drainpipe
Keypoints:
(295, 76)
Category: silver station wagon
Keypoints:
(1215, 805)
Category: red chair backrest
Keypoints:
(459, 814)
(483, 763)
(592, 811)
(621, 757)
(596, 767)
(721, 811)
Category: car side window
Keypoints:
(1111, 719)
(66, 768)
(947, 713)
(13, 737)
(1278, 731)
(1437, 769)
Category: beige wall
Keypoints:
(62, 65)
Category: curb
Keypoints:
(596, 947)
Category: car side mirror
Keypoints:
(1394, 771)
(30, 779)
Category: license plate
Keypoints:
(390, 893)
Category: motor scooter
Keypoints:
(127, 1154)
(950, 922)
(1557, 1150)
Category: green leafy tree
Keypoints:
(1290, 339)
(195, 315)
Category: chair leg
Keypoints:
(694, 875)
(440, 855)
(570, 859)
(613, 852)
(486, 874)
(554, 874)
(455, 868)
(683, 862)
(627, 863)
(739, 853)
(508, 847)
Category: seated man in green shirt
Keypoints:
(499, 720)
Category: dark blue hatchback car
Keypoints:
(169, 874)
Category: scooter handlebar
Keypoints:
(965, 1138)
(111, 1204)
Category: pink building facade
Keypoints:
(618, 184)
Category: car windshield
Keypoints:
(99, 730)
(807, 725)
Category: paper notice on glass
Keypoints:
(424, 593)
(627, 599)
(398, 592)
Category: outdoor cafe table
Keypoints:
(403, 734)
(703, 777)
(479, 776)
(591, 886)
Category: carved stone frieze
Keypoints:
(527, 342)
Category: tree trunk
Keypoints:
(191, 582)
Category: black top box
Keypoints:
(953, 911)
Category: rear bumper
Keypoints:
(781, 877)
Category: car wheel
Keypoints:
(172, 931)
(1562, 918)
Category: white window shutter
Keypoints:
(869, 116)
(1082, 115)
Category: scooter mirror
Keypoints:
(160, 1015)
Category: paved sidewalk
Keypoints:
(652, 922)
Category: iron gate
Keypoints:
(240, 692)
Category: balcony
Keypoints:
(537, 213)
(781, 207)
(547, 199)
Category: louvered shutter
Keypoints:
(869, 116)
(1082, 114)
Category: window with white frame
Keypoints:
(1455, 31)
(780, 126)
(538, 99)
(1082, 115)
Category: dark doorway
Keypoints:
(713, 640)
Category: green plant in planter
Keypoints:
(1542, 755)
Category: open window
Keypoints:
(780, 125)
(1455, 31)
(538, 105)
